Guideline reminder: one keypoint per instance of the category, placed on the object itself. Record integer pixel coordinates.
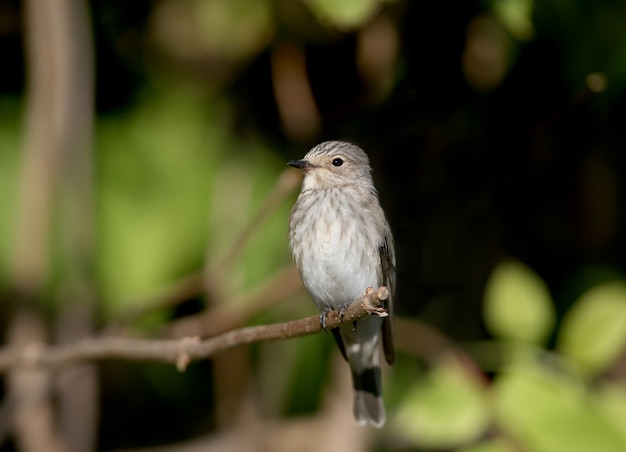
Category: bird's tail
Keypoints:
(367, 381)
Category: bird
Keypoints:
(342, 244)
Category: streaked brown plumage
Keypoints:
(342, 245)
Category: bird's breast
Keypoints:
(334, 247)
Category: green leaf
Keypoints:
(445, 408)
(611, 397)
(516, 16)
(155, 164)
(496, 445)
(549, 411)
(345, 13)
(175, 189)
(517, 304)
(594, 330)
(236, 29)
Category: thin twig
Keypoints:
(234, 312)
(185, 350)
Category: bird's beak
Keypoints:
(303, 165)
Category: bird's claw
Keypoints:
(342, 310)
(323, 315)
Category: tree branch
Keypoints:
(235, 312)
(188, 349)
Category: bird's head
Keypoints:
(334, 164)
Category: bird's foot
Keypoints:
(324, 313)
(342, 310)
(323, 316)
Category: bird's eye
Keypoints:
(337, 162)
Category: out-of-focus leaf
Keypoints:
(517, 304)
(496, 445)
(486, 70)
(154, 170)
(175, 188)
(239, 188)
(611, 397)
(230, 30)
(234, 28)
(516, 16)
(445, 408)
(343, 14)
(593, 333)
(547, 411)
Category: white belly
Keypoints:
(339, 260)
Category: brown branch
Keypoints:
(54, 200)
(188, 349)
(232, 313)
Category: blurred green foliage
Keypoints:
(346, 14)
(155, 168)
(443, 409)
(518, 305)
(545, 409)
(593, 332)
(172, 183)
(539, 400)
(181, 169)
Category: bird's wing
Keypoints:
(388, 267)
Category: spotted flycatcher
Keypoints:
(342, 244)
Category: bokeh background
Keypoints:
(144, 193)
